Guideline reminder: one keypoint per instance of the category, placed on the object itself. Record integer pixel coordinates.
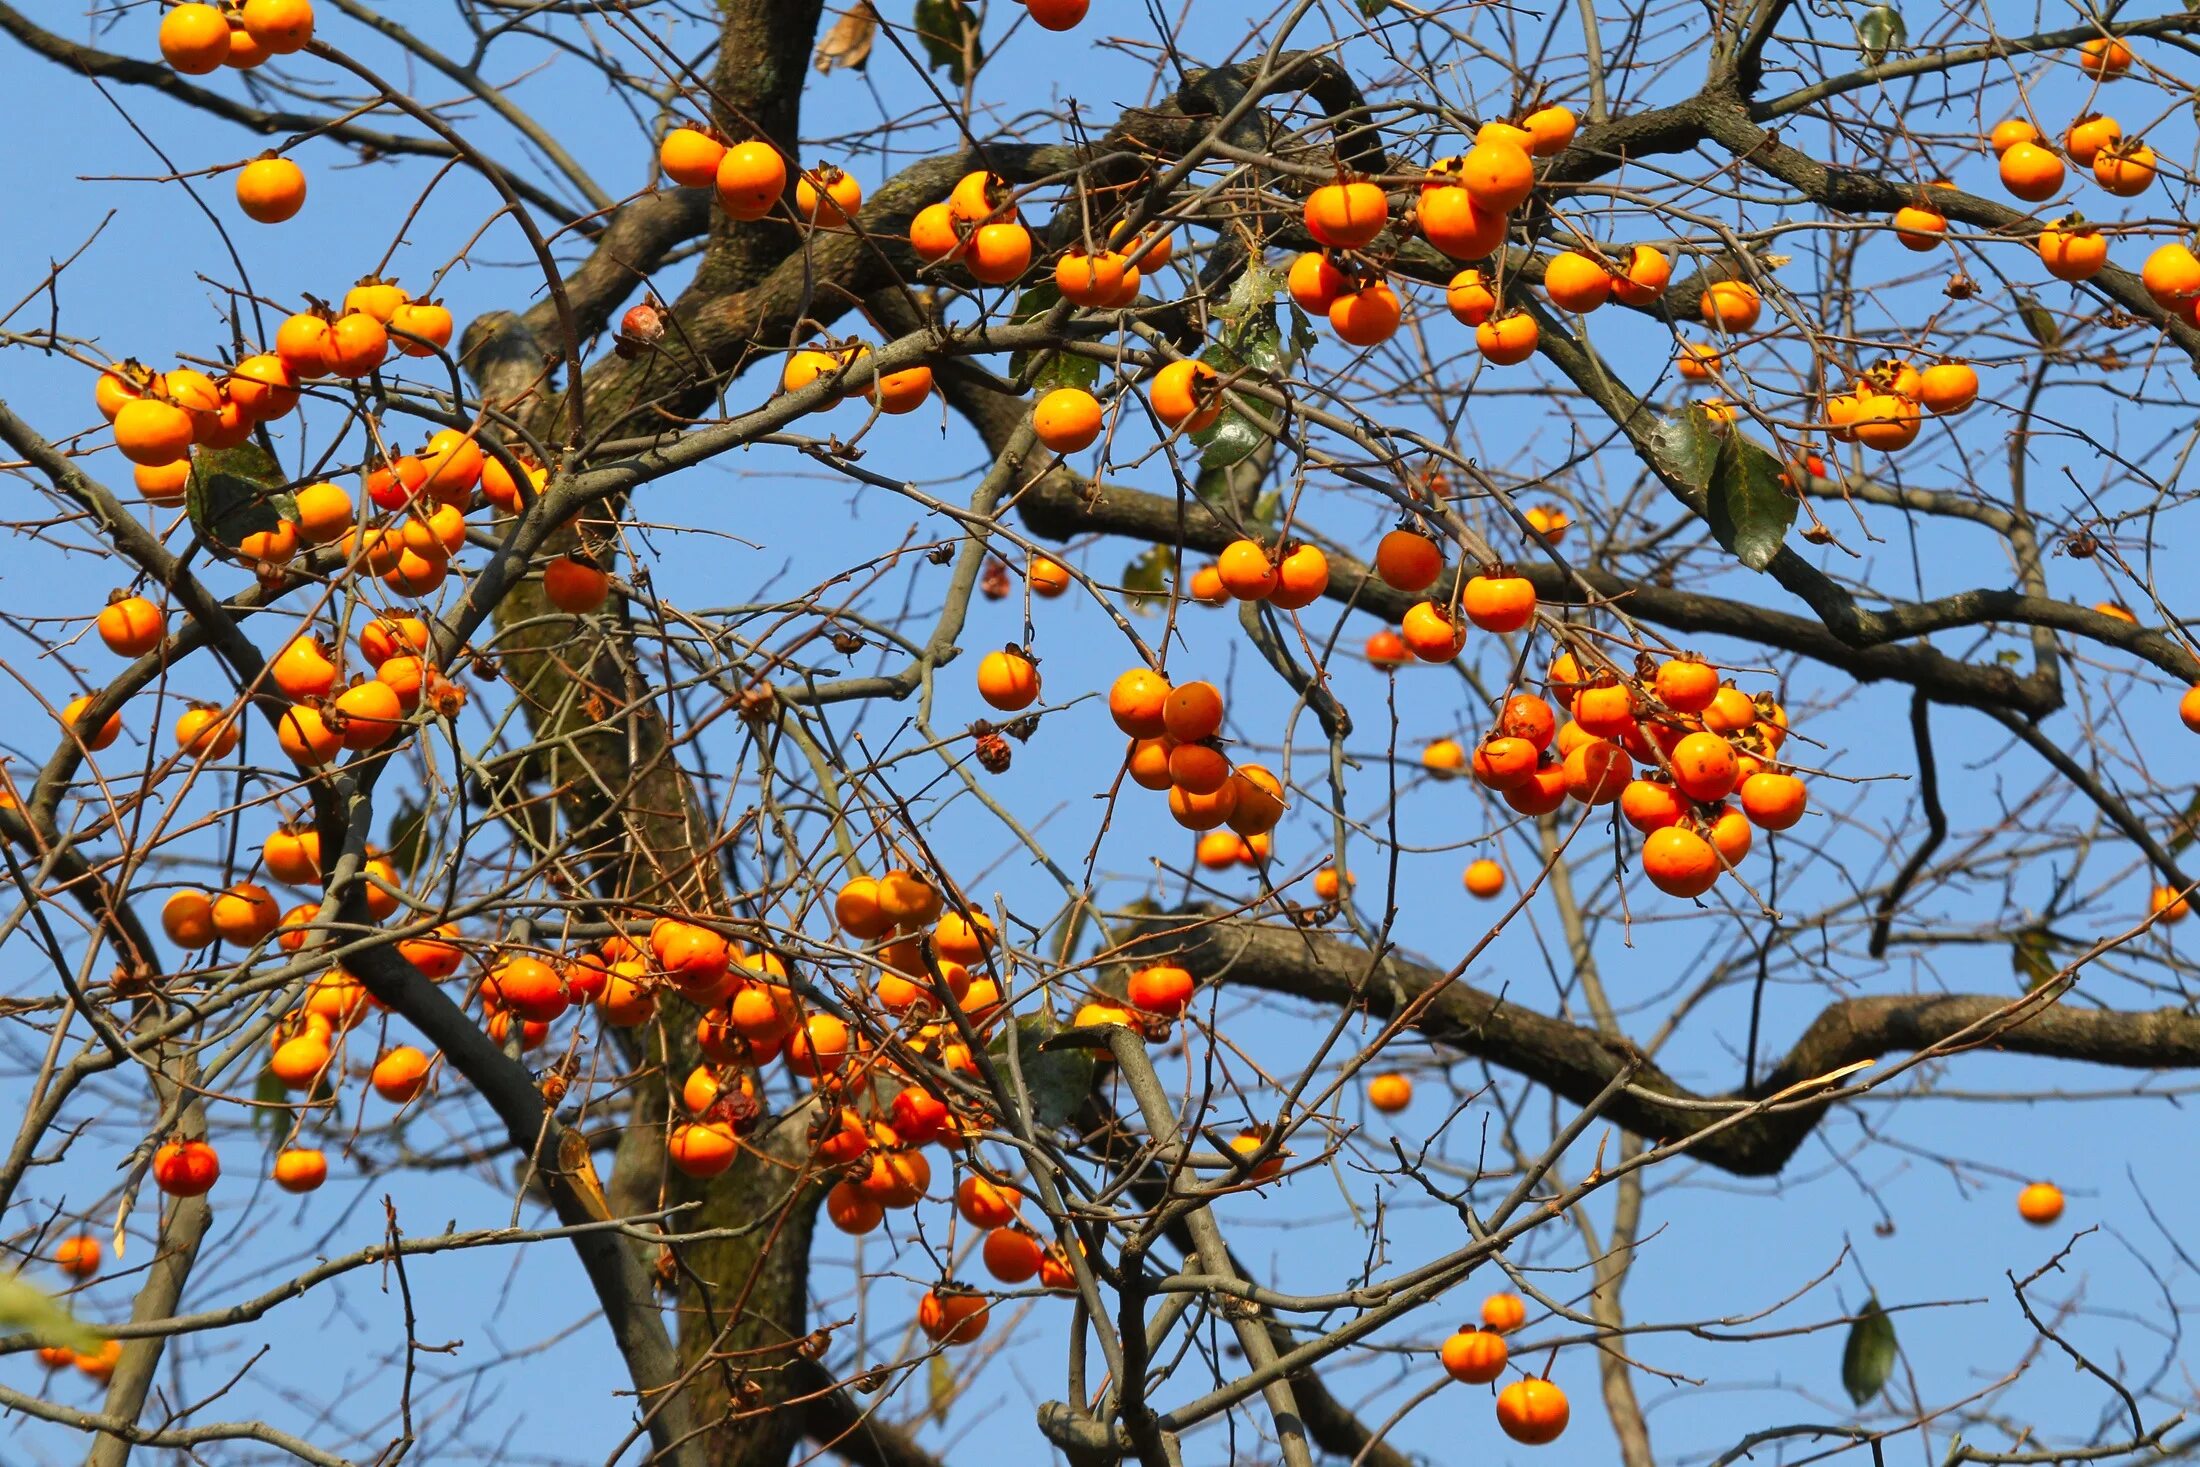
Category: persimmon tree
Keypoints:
(1056, 726)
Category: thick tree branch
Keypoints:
(1578, 1064)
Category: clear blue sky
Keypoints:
(529, 1374)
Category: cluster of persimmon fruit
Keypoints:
(1531, 1410)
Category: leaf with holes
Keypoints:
(1251, 343)
(949, 31)
(1056, 1081)
(235, 492)
(1868, 1358)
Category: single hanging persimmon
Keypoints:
(1532, 1412)
(1507, 340)
(2072, 249)
(1057, 15)
(1008, 679)
(271, 189)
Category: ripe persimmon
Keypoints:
(574, 585)
(1503, 762)
(1256, 805)
(1704, 766)
(1773, 801)
(1346, 216)
(78, 1256)
(2031, 172)
(1056, 15)
(751, 177)
(952, 1316)
(1302, 578)
(1577, 282)
(1316, 284)
(1183, 395)
(1919, 228)
(1507, 340)
(1012, 1255)
(1499, 603)
(2040, 1203)
(998, 253)
(400, 1074)
(690, 157)
(271, 189)
(188, 919)
(1732, 306)
(1008, 679)
(1090, 279)
(1246, 570)
(826, 195)
(1532, 1412)
(702, 1148)
(1067, 419)
(1408, 560)
(194, 38)
(1164, 989)
(2125, 169)
(1390, 1093)
(1641, 281)
(1368, 316)
(1484, 878)
(1469, 298)
(299, 1168)
(132, 626)
(2105, 58)
(1431, 634)
(186, 1168)
(1474, 1356)
(421, 328)
(1679, 862)
(1498, 173)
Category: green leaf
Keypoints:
(2032, 958)
(1146, 579)
(2039, 321)
(25, 1309)
(1373, 8)
(1687, 448)
(1733, 482)
(1750, 506)
(939, 1388)
(408, 838)
(235, 492)
(1056, 1081)
(949, 31)
(1055, 368)
(1868, 1358)
(1251, 344)
(1879, 30)
(269, 1099)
